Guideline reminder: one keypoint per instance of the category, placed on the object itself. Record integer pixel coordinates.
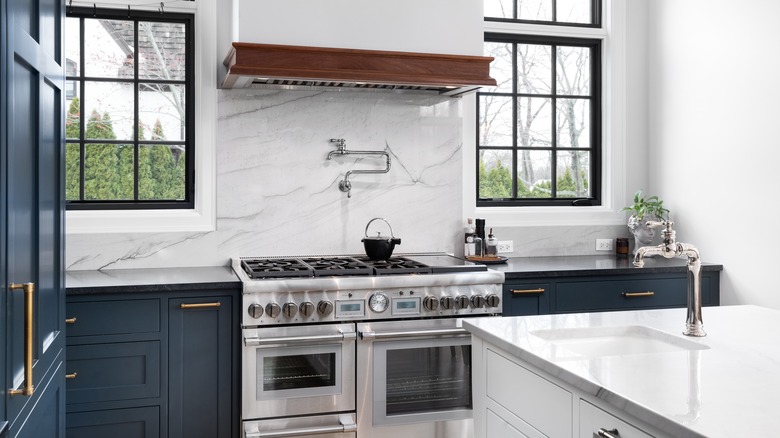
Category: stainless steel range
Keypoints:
(349, 347)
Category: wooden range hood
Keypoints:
(301, 67)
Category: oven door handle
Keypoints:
(347, 425)
(454, 332)
(257, 342)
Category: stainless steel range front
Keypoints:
(349, 347)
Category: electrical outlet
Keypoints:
(603, 244)
(506, 246)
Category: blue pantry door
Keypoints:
(32, 195)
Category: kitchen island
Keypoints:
(575, 374)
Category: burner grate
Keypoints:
(396, 266)
(328, 266)
(276, 268)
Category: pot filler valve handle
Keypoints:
(341, 149)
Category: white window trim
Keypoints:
(203, 216)
(613, 35)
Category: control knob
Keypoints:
(477, 301)
(255, 311)
(430, 303)
(492, 300)
(325, 307)
(307, 309)
(273, 310)
(447, 302)
(462, 302)
(290, 309)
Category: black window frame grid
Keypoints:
(595, 13)
(595, 149)
(189, 98)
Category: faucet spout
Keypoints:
(671, 248)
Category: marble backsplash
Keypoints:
(278, 195)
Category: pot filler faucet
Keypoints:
(671, 248)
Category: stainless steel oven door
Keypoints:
(320, 426)
(414, 379)
(301, 370)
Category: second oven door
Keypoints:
(300, 370)
(414, 372)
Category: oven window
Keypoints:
(428, 379)
(298, 371)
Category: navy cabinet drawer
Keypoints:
(115, 423)
(625, 294)
(117, 371)
(526, 299)
(113, 317)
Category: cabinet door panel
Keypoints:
(200, 361)
(106, 372)
(115, 423)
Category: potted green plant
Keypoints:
(651, 205)
(644, 209)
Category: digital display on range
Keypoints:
(406, 306)
(350, 308)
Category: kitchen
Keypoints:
(672, 59)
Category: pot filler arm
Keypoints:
(341, 149)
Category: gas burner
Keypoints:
(275, 268)
(327, 266)
(396, 265)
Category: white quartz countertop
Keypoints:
(728, 388)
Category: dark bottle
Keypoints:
(480, 229)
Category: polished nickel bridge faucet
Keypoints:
(671, 248)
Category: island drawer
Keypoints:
(592, 419)
(112, 372)
(539, 403)
(625, 294)
(112, 317)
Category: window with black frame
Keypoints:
(539, 129)
(129, 109)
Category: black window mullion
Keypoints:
(515, 185)
(82, 108)
(554, 118)
(136, 122)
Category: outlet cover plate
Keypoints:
(505, 246)
(603, 244)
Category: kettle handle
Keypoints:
(379, 218)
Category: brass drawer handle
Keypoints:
(71, 376)
(527, 291)
(29, 290)
(637, 294)
(70, 320)
(200, 305)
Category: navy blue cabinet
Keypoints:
(31, 219)
(598, 293)
(152, 365)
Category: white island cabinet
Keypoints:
(627, 374)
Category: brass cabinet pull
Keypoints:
(527, 291)
(70, 320)
(200, 305)
(637, 294)
(71, 376)
(29, 291)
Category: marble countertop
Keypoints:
(729, 388)
(563, 266)
(150, 280)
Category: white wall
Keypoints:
(714, 68)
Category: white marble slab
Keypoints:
(729, 388)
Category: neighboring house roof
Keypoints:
(161, 46)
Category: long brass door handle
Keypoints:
(200, 305)
(527, 291)
(637, 294)
(29, 291)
